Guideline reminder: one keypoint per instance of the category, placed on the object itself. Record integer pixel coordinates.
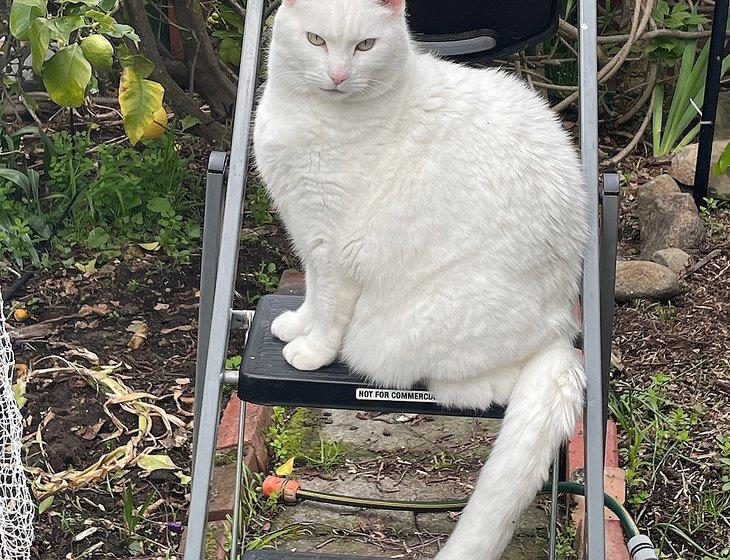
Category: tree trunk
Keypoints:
(182, 103)
(209, 79)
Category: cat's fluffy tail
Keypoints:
(543, 409)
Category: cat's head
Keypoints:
(339, 49)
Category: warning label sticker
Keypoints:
(366, 394)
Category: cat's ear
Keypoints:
(397, 6)
(290, 2)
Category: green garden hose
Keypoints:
(290, 491)
(455, 505)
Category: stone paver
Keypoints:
(422, 458)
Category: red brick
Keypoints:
(221, 491)
(576, 447)
(291, 282)
(614, 485)
(258, 421)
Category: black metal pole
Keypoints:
(709, 105)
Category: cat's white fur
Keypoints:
(440, 215)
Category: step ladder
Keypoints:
(266, 378)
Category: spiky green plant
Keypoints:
(669, 132)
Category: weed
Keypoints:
(723, 445)
(99, 198)
(133, 517)
(255, 515)
(259, 205)
(654, 426)
(267, 277)
(292, 435)
(564, 545)
(708, 213)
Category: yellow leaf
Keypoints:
(151, 463)
(286, 469)
(88, 268)
(184, 479)
(139, 99)
(154, 246)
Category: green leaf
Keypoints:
(661, 10)
(141, 65)
(138, 101)
(230, 51)
(152, 463)
(105, 20)
(85, 2)
(161, 205)
(98, 238)
(63, 27)
(722, 165)
(657, 110)
(45, 504)
(39, 35)
(19, 393)
(188, 122)
(66, 75)
(17, 177)
(22, 14)
(119, 30)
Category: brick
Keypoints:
(221, 491)
(291, 282)
(614, 485)
(258, 421)
(576, 447)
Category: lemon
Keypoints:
(98, 51)
(158, 126)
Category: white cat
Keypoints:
(440, 214)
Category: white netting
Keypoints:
(16, 507)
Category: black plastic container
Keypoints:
(473, 30)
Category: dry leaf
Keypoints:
(84, 354)
(162, 306)
(182, 328)
(140, 330)
(90, 432)
(98, 309)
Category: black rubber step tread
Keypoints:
(283, 555)
(266, 378)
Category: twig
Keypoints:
(701, 263)
(645, 96)
(637, 137)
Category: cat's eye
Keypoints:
(315, 39)
(365, 45)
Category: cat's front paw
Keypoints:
(290, 325)
(305, 353)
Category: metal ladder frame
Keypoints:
(225, 197)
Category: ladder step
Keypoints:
(283, 555)
(266, 378)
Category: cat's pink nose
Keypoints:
(338, 76)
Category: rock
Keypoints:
(674, 259)
(645, 280)
(684, 165)
(667, 217)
